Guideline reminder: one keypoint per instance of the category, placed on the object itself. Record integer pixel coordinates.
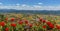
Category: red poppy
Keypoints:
(44, 26)
(20, 22)
(58, 27)
(44, 21)
(40, 19)
(2, 23)
(12, 19)
(48, 23)
(30, 25)
(6, 29)
(51, 26)
(26, 22)
(13, 25)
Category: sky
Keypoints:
(30, 4)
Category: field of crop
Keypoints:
(29, 22)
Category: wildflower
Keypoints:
(12, 19)
(44, 21)
(20, 22)
(30, 25)
(6, 29)
(51, 26)
(58, 27)
(44, 26)
(13, 25)
(40, 19)
(26, 22)
(2, 23)
(48, 23)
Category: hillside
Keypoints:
(57, 12)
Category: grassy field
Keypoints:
(56, 18)
(29, 22)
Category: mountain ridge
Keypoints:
(57, 12)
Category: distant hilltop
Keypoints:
(57, 12)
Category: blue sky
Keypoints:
(30, 4)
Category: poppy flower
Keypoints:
(44, 26)
(40, 19)
(51, 26)
(20, 22)
(13, 25)
(48, 23)
(2, 23)
(44, 21)
(26, 22)
(12, 19)
(6, 29)
(58, 27)
(30, 25)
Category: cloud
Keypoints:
(17, 4)
(23, 5)
(51, 7)
(28, 7)
(40, 3)
(1, 3)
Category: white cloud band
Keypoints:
(27, 7)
